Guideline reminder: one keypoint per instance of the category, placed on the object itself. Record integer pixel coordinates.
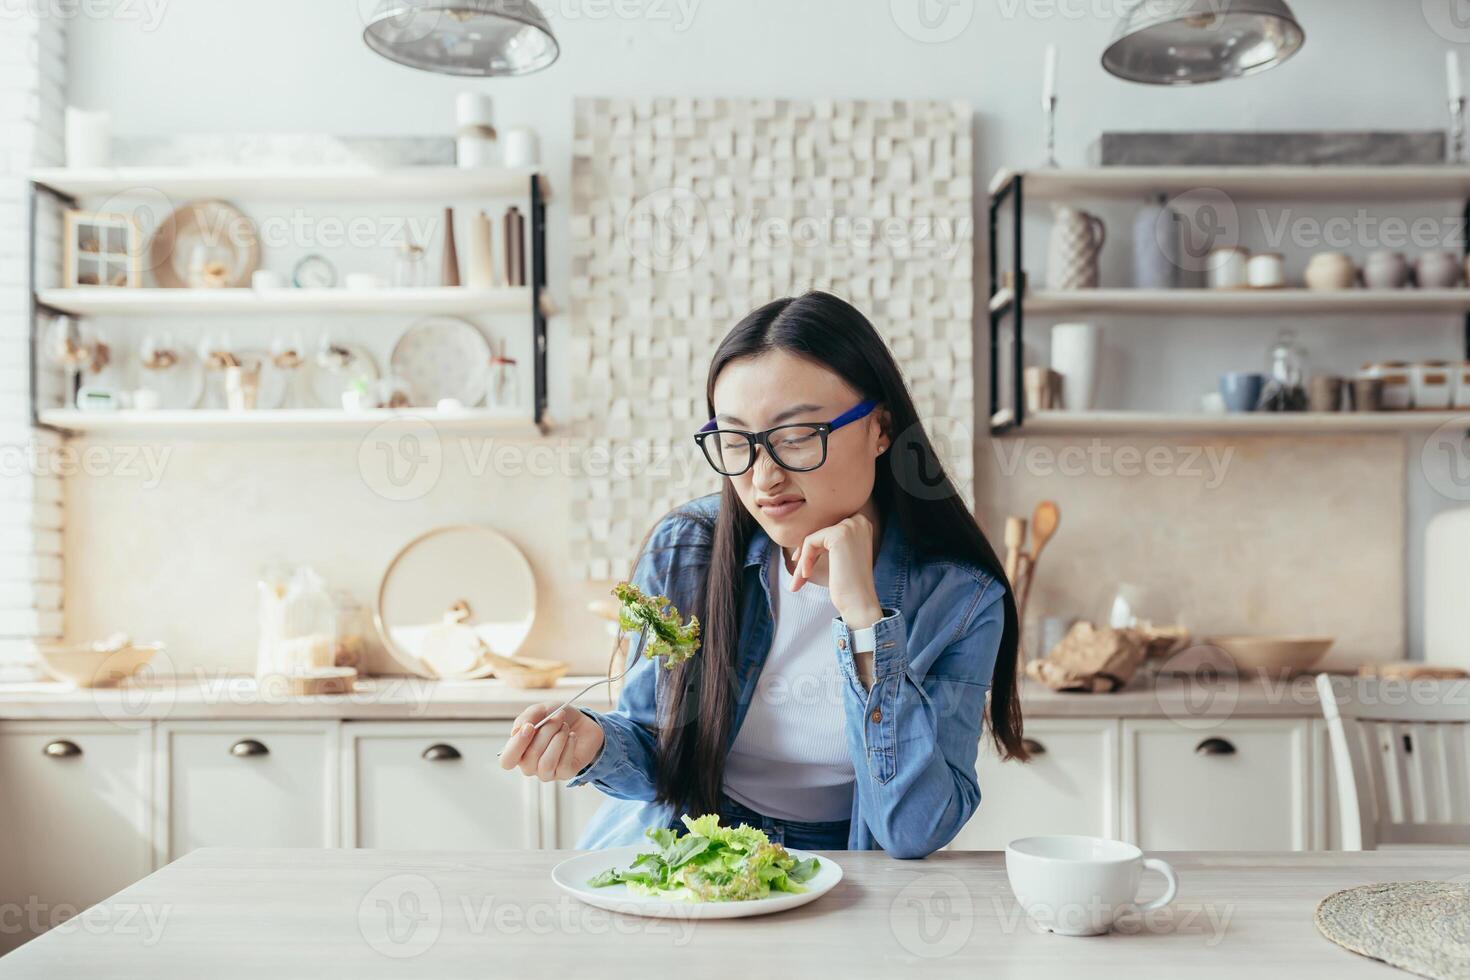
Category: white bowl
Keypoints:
(84, 665)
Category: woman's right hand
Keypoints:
(559, 749)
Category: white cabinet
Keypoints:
(566, 812)
(434, 786)
(1239, 785)
(247, 784)
(74, 820)
(1068, 787)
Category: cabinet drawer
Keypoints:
(1069, 786)
(1239, 785)
(435, 787)
(74, 820)
(258, 784)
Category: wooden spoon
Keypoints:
(1044, 523)
(1015, 538)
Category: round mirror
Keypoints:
(449, 595)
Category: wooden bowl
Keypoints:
(85, 665)
(1273, 653)
(526, 672)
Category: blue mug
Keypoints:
(1241, 390)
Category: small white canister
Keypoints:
(521, 148)
(475, 144)
(1266, 270)
(1226, 268)
(1461, 373)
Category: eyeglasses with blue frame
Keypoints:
(797, 446)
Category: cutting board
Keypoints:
(1447, 589)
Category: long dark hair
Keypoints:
(911, 487)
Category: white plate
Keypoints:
(572, 875)
(442, 357)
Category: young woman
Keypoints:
(854, 617)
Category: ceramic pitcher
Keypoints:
(1076, 241)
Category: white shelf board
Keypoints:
(218, 423)
(318, 183)
(1226, 302)
(122, 301)
(1422, 183)
(1101, 422)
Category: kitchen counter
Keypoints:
(285, 913)
(415, 698)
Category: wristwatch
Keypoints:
(864, 640)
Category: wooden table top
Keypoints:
(282, 913)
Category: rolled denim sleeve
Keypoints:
(625, 767)
(914, 735)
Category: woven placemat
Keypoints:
(1419, 926)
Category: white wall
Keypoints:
(283, 65)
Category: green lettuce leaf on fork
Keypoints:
(711, 863)
(667, 639)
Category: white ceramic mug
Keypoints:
(1074, 355)
(1078, 886)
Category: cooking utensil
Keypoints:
(637, 652)
(474, 574)
(1015, 538)
(1044, 523)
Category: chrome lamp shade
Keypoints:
(463, 37)
(1187, 42)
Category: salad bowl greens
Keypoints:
(707, 872)
(711, 863)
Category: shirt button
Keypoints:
(842, 644)
(877, 715)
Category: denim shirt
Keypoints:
(912, 737)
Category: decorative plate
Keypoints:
(442, 357)
(321, 381)
(451, 592)
(221, 235)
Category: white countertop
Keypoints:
(224, 913)
(415, 698)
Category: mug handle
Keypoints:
(1163, 868)
(1100, 234)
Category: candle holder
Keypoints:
(1457, 130)
(1049, 106)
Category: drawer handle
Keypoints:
(1214, 746)
(247, 747)
(441, 753)
(1033, 747)
(62, 749)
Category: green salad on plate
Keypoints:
(711, 863)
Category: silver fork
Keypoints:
(637, 652)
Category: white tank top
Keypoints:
(790, 759)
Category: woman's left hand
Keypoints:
(848, 546)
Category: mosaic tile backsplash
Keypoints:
(687, 213)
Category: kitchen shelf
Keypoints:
(1014, 189)
(1231, 302)
(1100, 422)
(1416, 183)
(439, 184)
(64, 188)
(210, 423)
(122, 301)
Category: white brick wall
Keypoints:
(32, 110)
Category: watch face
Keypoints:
(314, 272)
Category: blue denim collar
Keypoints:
(890, 570)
